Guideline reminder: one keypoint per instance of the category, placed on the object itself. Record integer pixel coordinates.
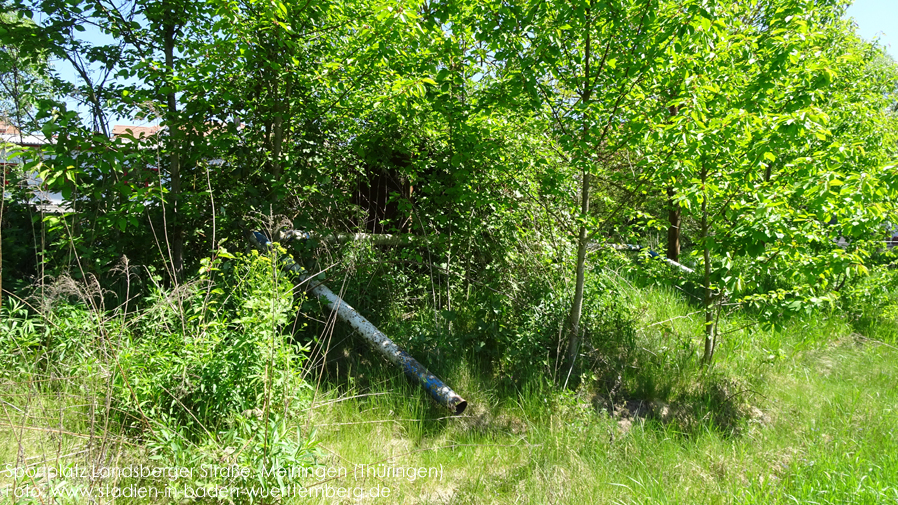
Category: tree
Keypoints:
(23, 71)
(23, 80)
(755, 144)
(585, 67)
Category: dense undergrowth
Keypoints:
(507, 152)
(220, 373)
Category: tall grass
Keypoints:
(219, 373)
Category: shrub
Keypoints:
(608, 327)
(214, 347)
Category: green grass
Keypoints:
(823, 430)
(807, 414)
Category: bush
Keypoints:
(20, 338)
(608, 326)
(214, 347)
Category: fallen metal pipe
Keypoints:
(395, 240)
(443, 394)
(625, 247)
(379, 239)
(671, 262)
(653, 254)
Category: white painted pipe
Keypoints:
(443, 394)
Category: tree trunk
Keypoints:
(2, 202)
(673, 213)
(706, 250)
(673, 229)
(282, 102)
(573, 323)
(177, 236)
(17, 103)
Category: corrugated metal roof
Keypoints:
(24, 140)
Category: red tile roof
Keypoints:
(137, 131)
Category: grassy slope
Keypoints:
(806, 415)
(824, 430)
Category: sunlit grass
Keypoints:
(805, 414)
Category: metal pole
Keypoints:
(443, 394)
(653, 254)
(378, 239)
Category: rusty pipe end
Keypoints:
(459, 406)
